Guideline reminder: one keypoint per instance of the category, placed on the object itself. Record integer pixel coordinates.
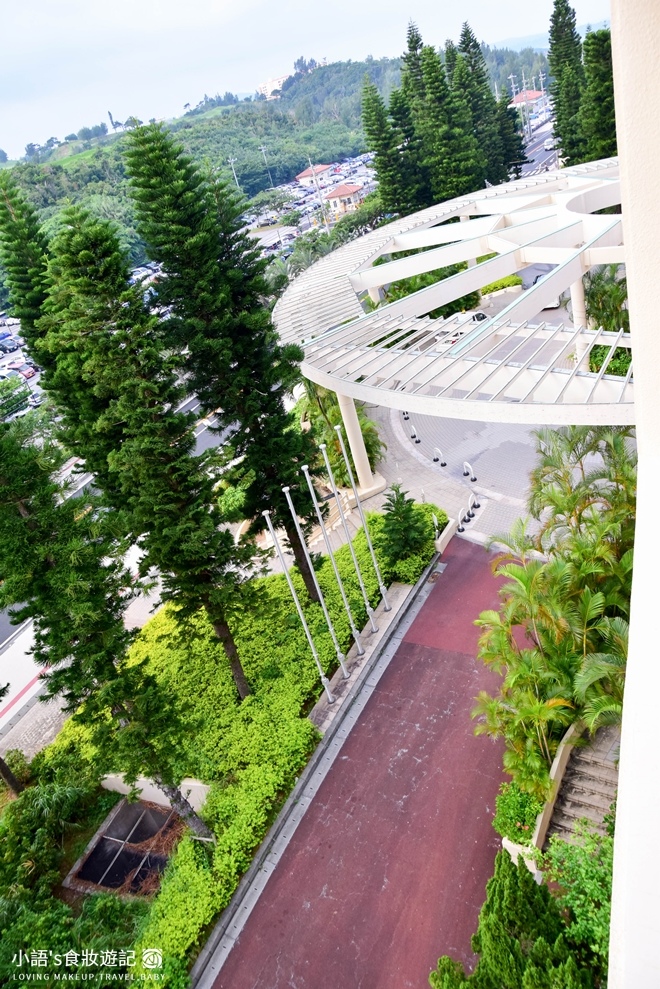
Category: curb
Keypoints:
(203, 973)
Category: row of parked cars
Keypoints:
(21, 367)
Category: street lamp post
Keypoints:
(328, 547)
(301, 614)
(365, 596)
(262, 148)
(231, 162)
(381, 585)
(318, 193)
(340, 656)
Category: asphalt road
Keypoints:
(539, 158)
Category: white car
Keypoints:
(549, 144)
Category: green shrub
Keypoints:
(508, 282)
(19, 766)
(516, 813)
(521, 939)
(583, 869)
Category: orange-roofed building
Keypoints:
(318, 173)
(345, 198)
(526, 96)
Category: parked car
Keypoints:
(9, 345)
(36, 399)
(26, 370)
(10, 373)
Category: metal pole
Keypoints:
(301, 614)
(231, 162)
(381, 584)
(262, 148)
(365, 597)
(326, 614)
(318, 193)
(347, 607)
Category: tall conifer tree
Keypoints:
(24, 254)
(110, 347)
(61, 564)
(213, 288)
(412, 78)
(415, 185)
(382, 140)
(483, 105)
(512, 142)
(453, 158)
(565, 61)
(596, 117)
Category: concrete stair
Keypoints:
(588, 788)
(332, 521)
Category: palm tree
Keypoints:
(606, 304)
(600, 680)
(320, 407)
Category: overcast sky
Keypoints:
(65, 63)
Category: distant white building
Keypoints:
(272, 86)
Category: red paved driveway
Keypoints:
(388, 868)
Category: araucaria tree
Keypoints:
(441, 134)
(218, 328)
(596, 117)
(521, 940)
(118, 389)
(483, 106)
(61, 565)
(565, 61)
(24, 255)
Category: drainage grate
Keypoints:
(129, 851)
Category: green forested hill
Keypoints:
(318, 116)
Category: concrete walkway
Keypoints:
(388, 867)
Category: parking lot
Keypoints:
(17, 365)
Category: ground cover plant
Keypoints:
(250, 752)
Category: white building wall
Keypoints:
(635, 929)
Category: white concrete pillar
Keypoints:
(355, 441)
(635, 927)
(579, 308)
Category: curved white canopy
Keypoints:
(505, 368)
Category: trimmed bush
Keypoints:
(508, 282)
(516, 813)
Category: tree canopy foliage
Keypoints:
(560, 635)
(441, 134)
